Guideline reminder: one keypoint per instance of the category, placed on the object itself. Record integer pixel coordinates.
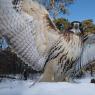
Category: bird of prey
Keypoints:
(61, 60)
(32, 35)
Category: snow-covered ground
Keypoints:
(21, 87)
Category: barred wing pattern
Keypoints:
(30, 33)
(29, 30)
(17, 27)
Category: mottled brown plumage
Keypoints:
(35, 39)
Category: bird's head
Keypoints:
(76, 27)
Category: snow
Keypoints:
(21, 87)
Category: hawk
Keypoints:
(32, 35)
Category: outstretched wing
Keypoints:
(88, 55)
(21, 27)
(45, 30)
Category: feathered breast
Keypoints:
(68, 45)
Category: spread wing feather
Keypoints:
(87, 57)
(25, 24)
(30, 32)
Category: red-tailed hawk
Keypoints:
(33, 36)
